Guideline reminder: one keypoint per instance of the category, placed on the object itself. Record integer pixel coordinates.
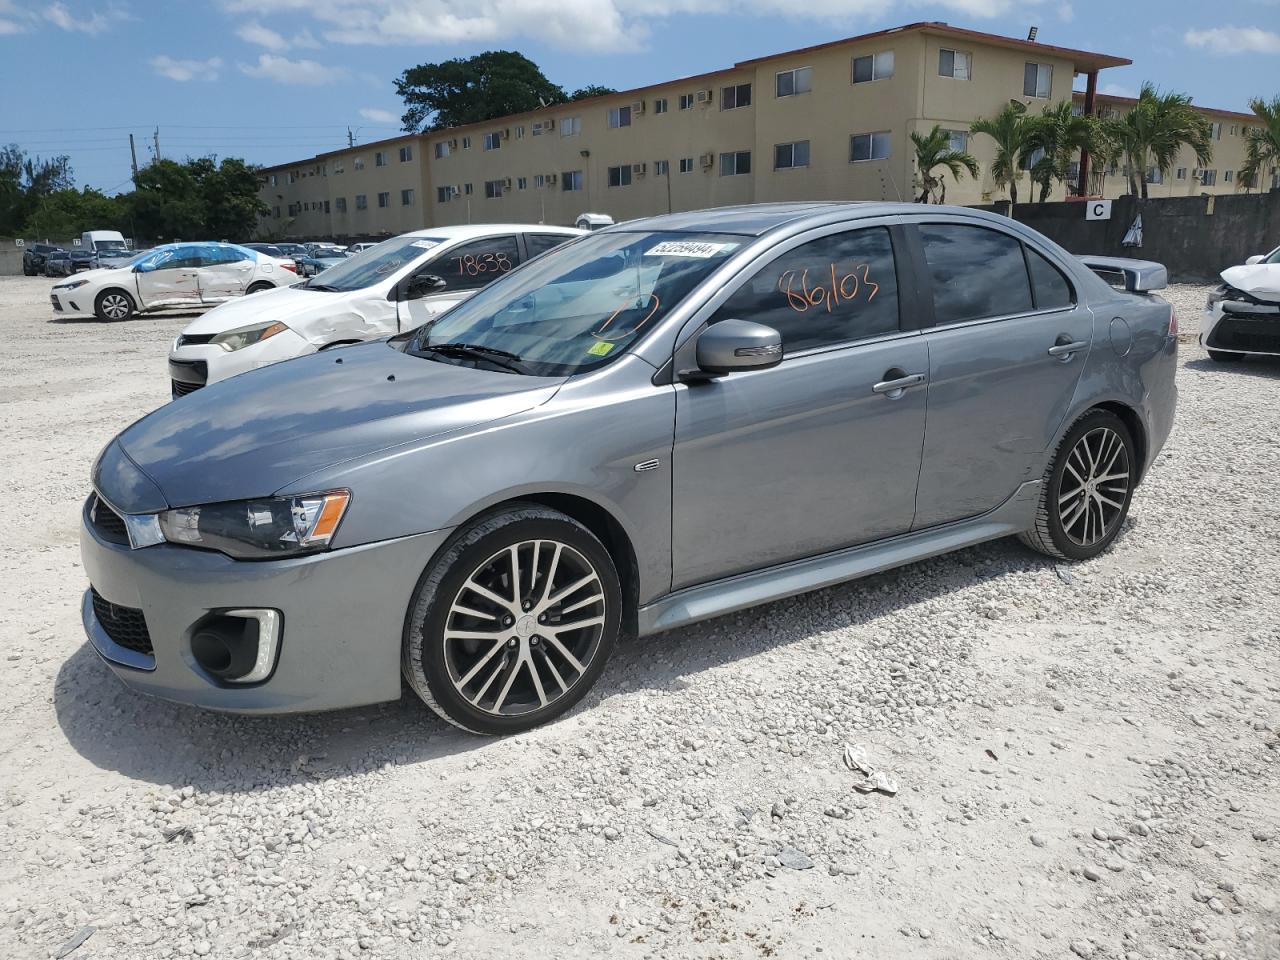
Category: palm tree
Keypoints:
(1262, 146)
(1152, 133)
(933, 150)
(1010, 130)
(1056, 137)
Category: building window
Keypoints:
(522, 183)
(444, 194)
(1037, 80)
(735, 164)
(442, 149)
(341, 204)
(686, 101)
(1227, 176)
(326, 206)
(362, 202)
(659, 104)
(492, 141)
(788, 83)
(958, 140)
(379, 159)
(466, 143)
(1217, 131)
(1233, 129)
(789, 155)
(406, 198)
(273, 179)
(869, 146)
(275, 212)
(466, 189)
(661, 168)
(954, 64)
(619, 117)
(1180, 173)
(384, 199)
(1209, 178)
(406, 154)
(571, 180)
(357, 163)
(874, 66)
(686, 164)
(620, 176)
(571, 126)
(1155, 175)
(493, 189)
(520, 132)
(1032, 158)
(736, 96)
(339, 167)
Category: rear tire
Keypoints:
(1225, 356)
(513, 622)
(259, 287)
(113, 306)
(1086, 490)
(28, 272)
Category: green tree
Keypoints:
(1262, 143)
(68, 213)
(594, 90)
(471, 90)
(197, 199)
(229, 194)
(1011, 130)
(933, 150)
(25, 182)
(1055, 138)
(1153, 132)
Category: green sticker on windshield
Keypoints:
(600, 349)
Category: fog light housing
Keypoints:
(238, 646)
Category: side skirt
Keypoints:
(800, 576)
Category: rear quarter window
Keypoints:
(1050, 287)
(977, 273)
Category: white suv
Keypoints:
(397, 285)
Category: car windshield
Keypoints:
(375, 264)
(1273, 257)
(577, 307)
(110, 246)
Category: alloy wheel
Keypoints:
(1094, 486)
(524, 627)
(115, 306)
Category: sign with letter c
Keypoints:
(1097, 210)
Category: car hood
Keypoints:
(100, 275)
(254, 434)
(298, 309)
(1262, 280)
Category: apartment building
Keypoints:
(831, 122)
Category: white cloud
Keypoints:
(1230, 40)
(255, 33)
(295, 72)
(376, 115)
(1119, 90)
(90, 21)
(184, 70)
(9, 27)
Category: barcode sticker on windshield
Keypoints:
(688, 248)
(425, 244)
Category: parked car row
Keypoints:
(556, 437)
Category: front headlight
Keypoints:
(1216, 295)
(259, 529)
(72, 285)
(247, 336)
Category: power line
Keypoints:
(196, 126)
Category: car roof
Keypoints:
(757, 219)
(465, 231)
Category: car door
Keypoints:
(225, 271)
(170, 276)
(465, 268)
(1005, 355)
(822, 451)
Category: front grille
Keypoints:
(181, 389)
(108, 524)
(57, 304)
(1245, 336)
(194, 339)
(125, 626)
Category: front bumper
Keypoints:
(1241, 327)
(71, 303)
(192, 366)
(343, 615)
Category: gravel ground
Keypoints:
(1087, 756)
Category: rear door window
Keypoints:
(977, 272)
(470, 266)
(542, 242)
(832, 290)
(1052, 290)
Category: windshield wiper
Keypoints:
(503, 358)
(321, 286)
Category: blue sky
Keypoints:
(273, 81)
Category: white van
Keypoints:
(103, 241)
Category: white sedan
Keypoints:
(1243, 314)
(397, 285)
(172, 276)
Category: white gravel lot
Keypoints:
(1088, 756)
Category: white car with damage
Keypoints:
(1242, 315)
(175, 276)
(397, 285)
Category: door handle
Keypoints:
(1065, 350)
(893, 388)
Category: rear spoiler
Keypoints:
(1140, 276)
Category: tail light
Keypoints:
(289, 265)
(1173, 321)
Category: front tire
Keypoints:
(259, 287)
(513, 623)
(1225, 356)
(1087, 489)
(112, 306)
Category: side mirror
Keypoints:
(423, 285)
(732, 345)
(1255, 259)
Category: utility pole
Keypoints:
(133, 155)
(156, 136)
(351, 138)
